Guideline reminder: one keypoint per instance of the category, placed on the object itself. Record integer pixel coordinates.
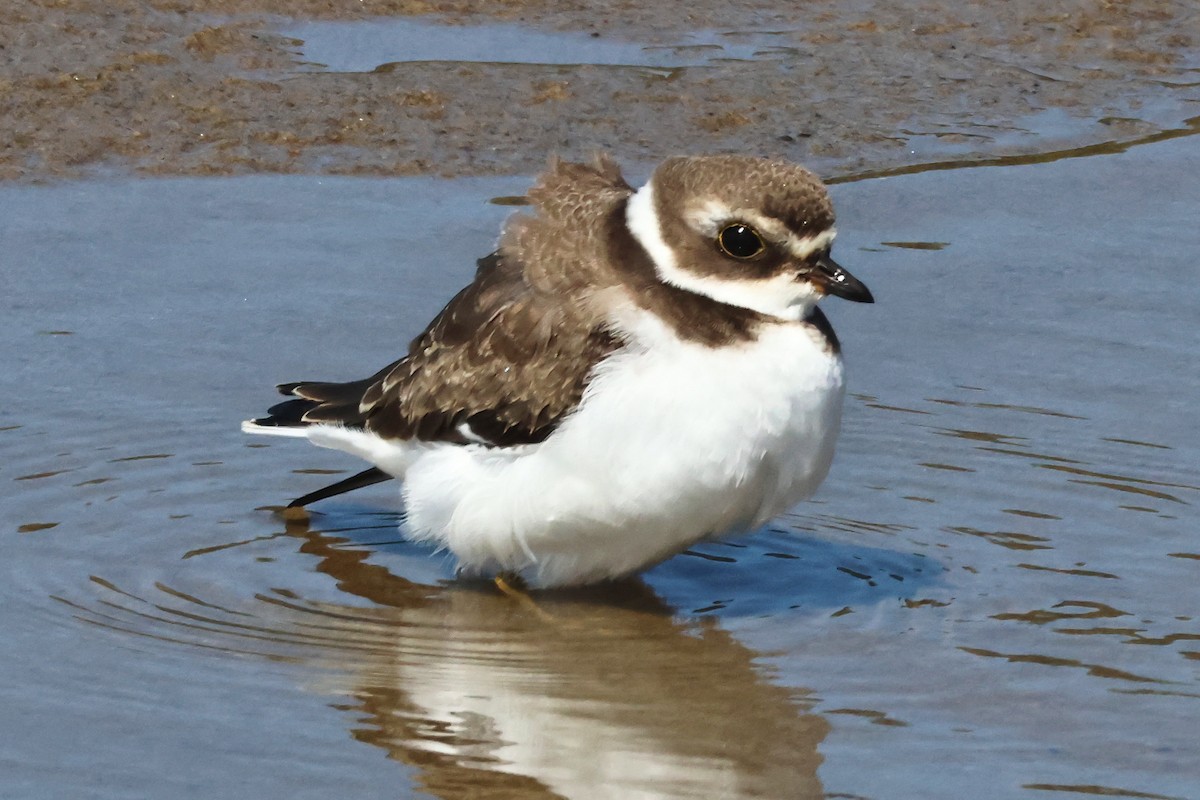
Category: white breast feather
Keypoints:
(673, 442)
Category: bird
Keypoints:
(630, 372)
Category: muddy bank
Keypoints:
(213, 88)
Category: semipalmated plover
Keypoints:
(631, 371)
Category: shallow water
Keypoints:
(367, 45)
(994, 595)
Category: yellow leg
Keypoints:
(514, 587)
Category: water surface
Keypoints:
(994, 594)
(367, 45)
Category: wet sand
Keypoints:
(212, 88)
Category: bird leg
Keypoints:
(514, 586)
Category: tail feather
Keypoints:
(328, 415)
(266, 429)
(314, 402)
(341, 414)
(289, 412)
(327, 392)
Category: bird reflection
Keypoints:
(597, 693)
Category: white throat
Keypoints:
(781, 296)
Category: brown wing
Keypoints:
(501, 364)
(502, 359)
(511, 354)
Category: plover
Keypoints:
(630, 372)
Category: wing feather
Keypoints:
(510, 355)
(503, 359)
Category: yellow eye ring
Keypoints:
(740, 241)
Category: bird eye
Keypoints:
(740, 241)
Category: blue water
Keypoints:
(994, 594)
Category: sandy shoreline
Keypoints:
(213, 88)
